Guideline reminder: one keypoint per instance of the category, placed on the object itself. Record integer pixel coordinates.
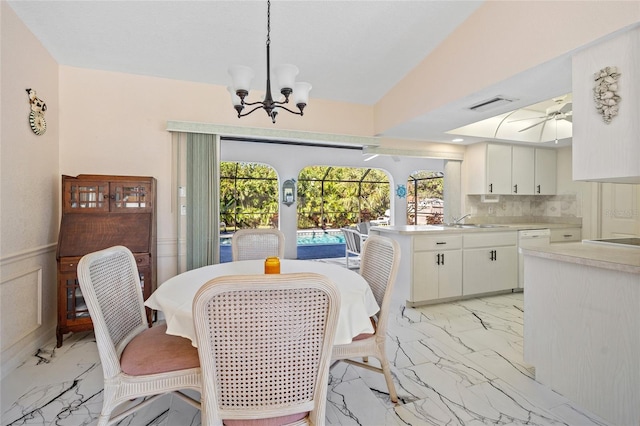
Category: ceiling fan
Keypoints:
(560, 111)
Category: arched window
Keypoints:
(425, 201)
(340, 196)
(248, 196)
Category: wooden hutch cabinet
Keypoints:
(101, 211)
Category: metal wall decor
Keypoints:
(289, 192)
(605, 92)
(401, 191)
(36, 116)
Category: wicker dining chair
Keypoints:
(265, 348)
(137, 361)
(252, 244)
(379, 267)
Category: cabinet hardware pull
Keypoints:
(442, 259)
(568, 235)
(495, 255)
(490, 188)
(441, 242)
(538, 189)
(515, 188)
(438, 261)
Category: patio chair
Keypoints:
(252, 244)
(379, 266)
(363, 228)
(353, 241)
(137, 361)
(265, 347)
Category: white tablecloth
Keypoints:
(175, 296)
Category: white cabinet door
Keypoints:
(490, 269)
(498, 169)
(450, 274)
(437, 275)
(522, 169)
(425, 276)
(545, 171)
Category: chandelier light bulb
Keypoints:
(301, 93)
(286, 78)
(235, 99)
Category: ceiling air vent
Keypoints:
(495, 102)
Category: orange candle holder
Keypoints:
(272, 265)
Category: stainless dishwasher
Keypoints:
(530, 238)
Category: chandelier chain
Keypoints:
(268, 23)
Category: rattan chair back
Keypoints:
(252, 244)
(265, 346)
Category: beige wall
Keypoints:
(28, 194)
(500, 40)
(115, 123)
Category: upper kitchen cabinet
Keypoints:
(545, 174)
(510, 170)
(522, 170)
(489, 168)
(607, 152)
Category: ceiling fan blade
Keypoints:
(528, 118)
(534, 125)
(568, 118)
(566, 108)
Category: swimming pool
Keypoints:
(305, 238)
(311, 244)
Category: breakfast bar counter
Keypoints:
(581, 325)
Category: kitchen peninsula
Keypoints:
(440, 263)
(581, 325)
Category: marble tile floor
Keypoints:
(458, 363)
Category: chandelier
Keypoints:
(285, 78)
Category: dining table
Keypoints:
(175, 296)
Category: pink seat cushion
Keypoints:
(274, 421)
(154, 351)
(363, 336)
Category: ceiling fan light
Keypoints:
(286, 76)
(241, 76)
(301, 93)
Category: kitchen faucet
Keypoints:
(460, 219)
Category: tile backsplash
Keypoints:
(525, 209)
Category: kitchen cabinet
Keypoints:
(571, 234)
(490, 262)
(510, 170)
(545, 173)
(522, 170)
(437, 267)
(99, 212)
(489, 168)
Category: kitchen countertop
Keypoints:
(624, 259)
(427, 229)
